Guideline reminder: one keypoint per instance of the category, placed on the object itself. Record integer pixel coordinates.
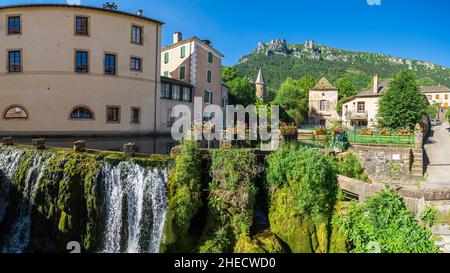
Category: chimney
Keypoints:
(140, 12)
(207, 42)
(177, 37)
(376, 81)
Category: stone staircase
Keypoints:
(417, 168)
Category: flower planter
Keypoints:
(367, 133)
(319, 133)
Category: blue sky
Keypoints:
(418, 29)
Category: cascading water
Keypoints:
(135, 204)
(18, 237)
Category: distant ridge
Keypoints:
(281, 60)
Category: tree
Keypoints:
(346, 89)
(427, 81)
(241, 90)
(293, 97)
(229, 73)
(403, 104)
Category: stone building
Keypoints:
(260, 84)
(78, 70)
(196, 63)
(323, 100)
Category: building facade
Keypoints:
(196, 63)
(437, 95)
(323, 100)
(75, 69)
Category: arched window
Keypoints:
(81, 112)
(15, 112)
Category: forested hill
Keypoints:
(280, 60)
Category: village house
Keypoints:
(437, 94)
(323, 100)
(78, 70)
(190, 68)
(361, 110)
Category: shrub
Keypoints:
(185, 185)
(311, 171)
(429, 216)
(232, 189)
(350, 166)
(384, 220)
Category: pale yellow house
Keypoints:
(437, 94)
(76, 69)
(323, 100)
(196, 63)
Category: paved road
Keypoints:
(438, 152)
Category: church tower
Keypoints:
(260, 84)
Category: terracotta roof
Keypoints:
(172, 80)
(81, 7)
(435, 89)
(260, 79)
(324, 85)
(194, 38)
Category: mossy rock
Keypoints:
(263, 242)
(302, 234)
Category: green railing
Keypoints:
(383, 139)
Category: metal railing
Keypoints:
(352, 115)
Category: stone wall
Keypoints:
(385, 164)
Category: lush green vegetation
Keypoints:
(309, 173)
(350, 166)
(303, 193)
(403, 104)
(429, 216)
(241, 90)
(297, 61)
(384, 221)
(346, 89)
(293, 98)
(185, 186)
(231, 199)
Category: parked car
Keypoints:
(435, 122)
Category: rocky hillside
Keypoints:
(281, 60)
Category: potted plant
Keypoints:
(289, 131)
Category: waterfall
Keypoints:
(135, 205)
(18, 237)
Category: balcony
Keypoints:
(357, 115)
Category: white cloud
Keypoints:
(74, 2)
